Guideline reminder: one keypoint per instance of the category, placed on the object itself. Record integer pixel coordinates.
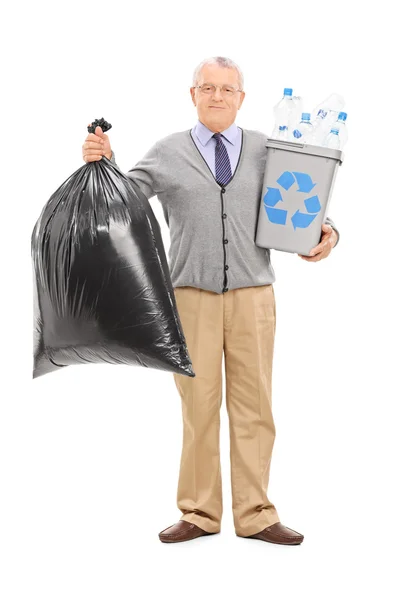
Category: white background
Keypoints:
(90, 455)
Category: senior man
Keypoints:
(209, 181)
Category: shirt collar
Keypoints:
(204, 134)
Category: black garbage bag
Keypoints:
(102, 286)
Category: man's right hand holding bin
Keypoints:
(96, 146)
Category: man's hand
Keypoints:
(96, 146)
(323, 250)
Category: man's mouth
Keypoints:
(219, 107)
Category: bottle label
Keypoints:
(297, 133)
(322, 113)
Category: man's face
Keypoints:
(217, 119)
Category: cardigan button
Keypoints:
(223, 190)
(226, 267)
(225, 241)
(225, 289)
(224, 216)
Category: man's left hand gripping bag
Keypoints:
(102, 286)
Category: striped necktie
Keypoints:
(223, 171)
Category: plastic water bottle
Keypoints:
(337, 137)
(334, 103)
(322, 126)
(324, 116)
(341, 125)
(296, 113)
(303, 133)
(283, 112)
(283, 133)
(332, 140)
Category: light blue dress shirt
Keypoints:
(232, 139)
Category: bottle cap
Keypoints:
(282, 127)
(287, 91)
(305, 116)
(342, 116)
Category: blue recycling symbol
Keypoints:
(273, 196)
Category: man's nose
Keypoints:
(217, 94)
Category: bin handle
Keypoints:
(283, 142)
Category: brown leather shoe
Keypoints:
(182, 531)
(279, 534)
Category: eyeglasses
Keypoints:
(210, 88)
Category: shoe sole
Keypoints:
(250, 537)
(187, 539)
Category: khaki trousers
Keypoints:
(240, 323)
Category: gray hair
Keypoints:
(221, 61)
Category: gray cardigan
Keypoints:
(212, 227)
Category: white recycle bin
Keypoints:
(297, 188)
